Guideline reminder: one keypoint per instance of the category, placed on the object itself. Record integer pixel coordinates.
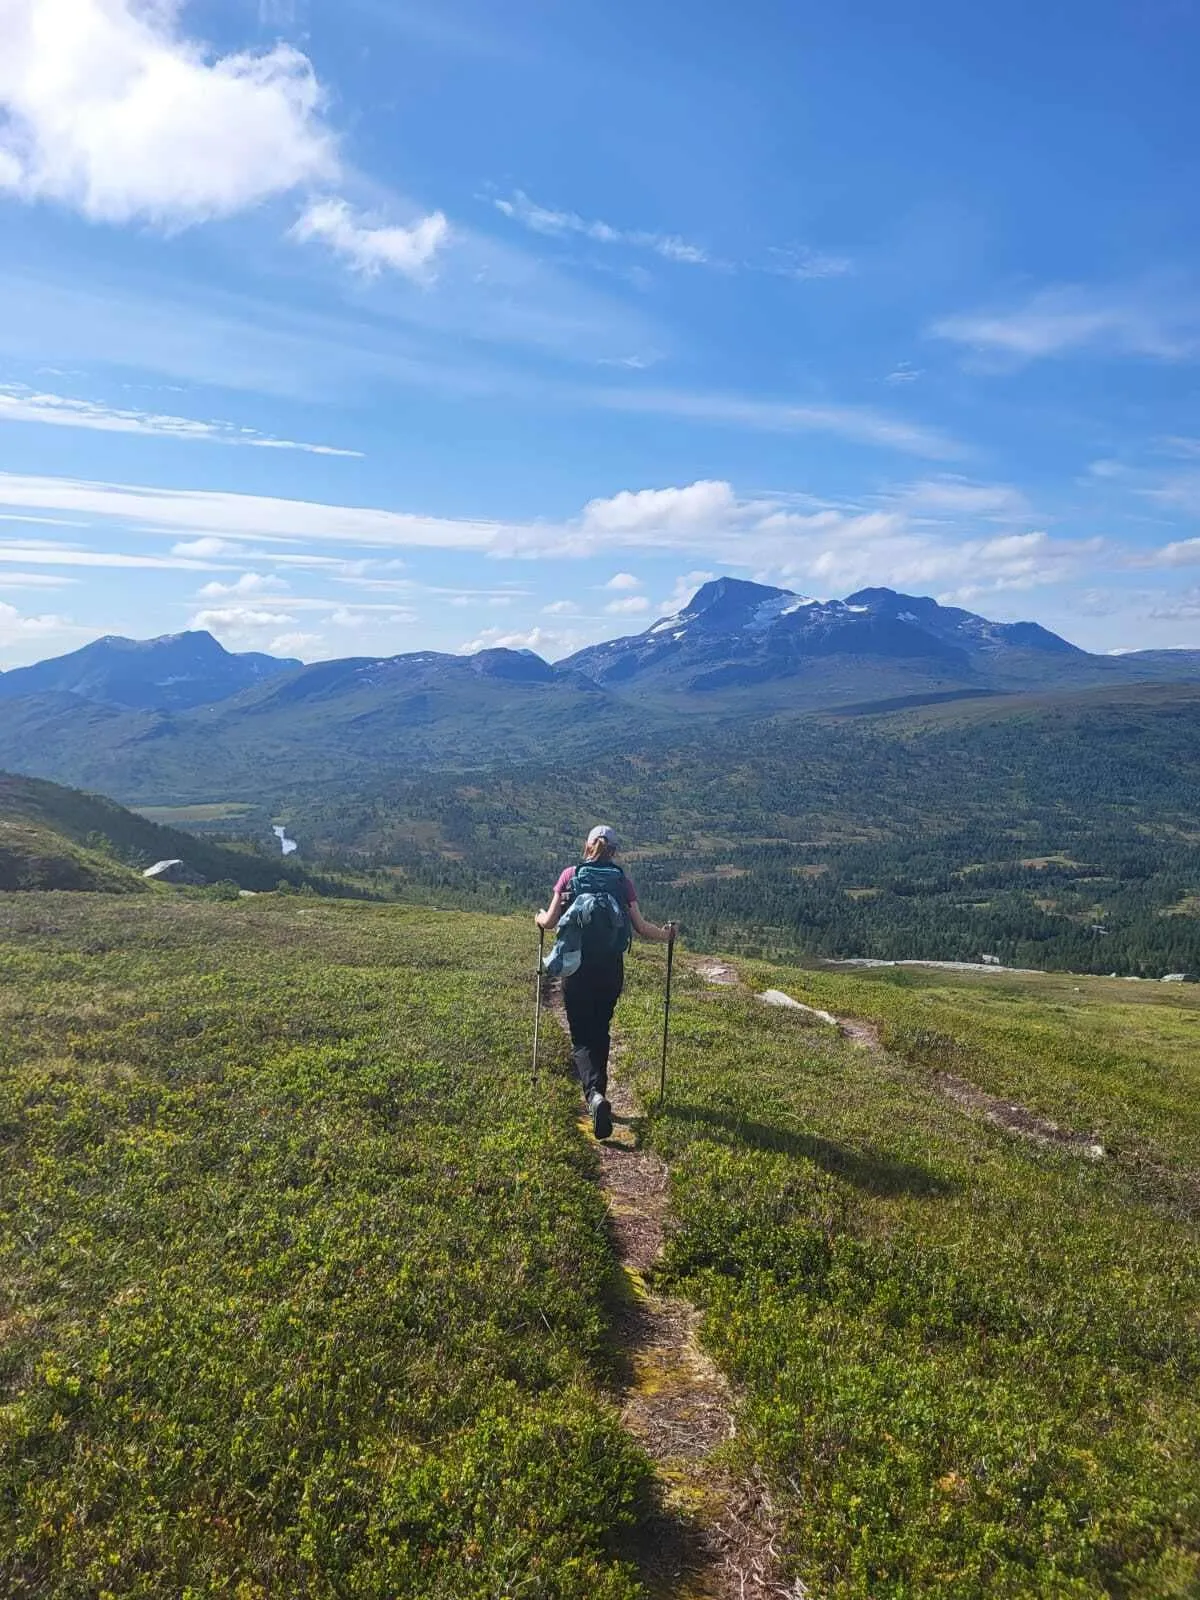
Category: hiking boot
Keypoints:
(601, 1115)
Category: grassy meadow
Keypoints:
(305, 1292)
(300, 1284)
(969, 1364)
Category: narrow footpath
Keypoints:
(715, 1540)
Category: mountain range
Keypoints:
(174, 672)
(180, 719)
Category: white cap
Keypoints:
(603, 832)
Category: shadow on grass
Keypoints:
(868, 1170)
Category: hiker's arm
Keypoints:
(551, 916)
(650, 930)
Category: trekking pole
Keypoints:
(537, 1002)
(662, 1087)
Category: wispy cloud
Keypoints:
(21, 404)
(1057, 321)
(862, 424)
(938, 534)
(804, 265)
(45, 553)
(560, 224)
(370, 246)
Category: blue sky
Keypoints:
(361, 326)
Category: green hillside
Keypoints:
(306, 1291)
(1059, 832)
(36, 857)
(57, 838)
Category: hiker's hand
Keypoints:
(541, 920)
(670, 932)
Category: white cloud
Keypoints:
(623, 580)
(634, 606)
(1181, 553)
(45, 553)
(111, 110)
(685, 587)
(559, 224)
(860, 424)
(238, 619)
(250, 583)
(369, 247)
(561, 608)
(1180, 493)
(21, 404)
(28, 635)
(34, 580)
(904, 372)
(208, 547)
(651, 515)
(1054, 321)
(955, 496)
(936, 533)
(806, 265)
(296, 644)
(541, 640)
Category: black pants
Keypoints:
(591, 996)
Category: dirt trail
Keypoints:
(968, 1097)
(715, 1539)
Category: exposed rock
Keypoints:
(177, 873)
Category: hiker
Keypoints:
(590, 955)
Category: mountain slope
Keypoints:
(169, 673)
(330, 724)
(57, 838)
(744, 644)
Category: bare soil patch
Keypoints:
(1015, 1118)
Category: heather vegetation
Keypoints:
(969, 1362)
(304, 1290)
(301, 1288)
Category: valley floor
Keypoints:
(305, 1290)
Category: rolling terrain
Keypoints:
(1049, 831)
(179, 721)
(56, 838)
(307, 1290)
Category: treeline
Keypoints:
(1062, 837)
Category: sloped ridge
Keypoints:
(172, 672)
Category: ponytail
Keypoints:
(598, 852)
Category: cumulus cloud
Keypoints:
(25, 637)
(250, 583)
(623, 580)
(305, 645)
(634, 606)
(934, 533)
(19, 403)
(543, 641)
(371, 247)
(561, 608)
(685, 587)
(112, 110)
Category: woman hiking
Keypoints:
(597, 907)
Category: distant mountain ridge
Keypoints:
(173, 672)
(736, 634)
(180, 719)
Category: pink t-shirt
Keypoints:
(563, 886)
